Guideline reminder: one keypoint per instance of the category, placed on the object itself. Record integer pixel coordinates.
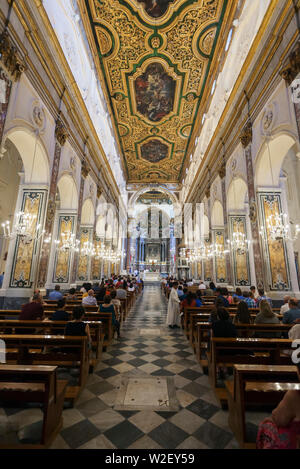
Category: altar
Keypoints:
(151, 277)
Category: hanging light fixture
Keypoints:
(277, 224)
(68, 243)
(23, 228)
(88, 249)
(239, 243)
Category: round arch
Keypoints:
(142, 191)
(237, 194)
(68, 193)
(33, 153)
(88, 213)
(217, 214)
(270, 158)
(100, 226)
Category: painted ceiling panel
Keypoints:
(154, 59)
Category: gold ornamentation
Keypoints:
(292, 68)
(85, 169)
(61, 133)
(246, 135)
(10, 58)
(155, 42)
(222, 171)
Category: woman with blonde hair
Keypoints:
(266, 316)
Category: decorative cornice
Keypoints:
(61, 133)
(207, 192)
(246, 135)
(9, 57)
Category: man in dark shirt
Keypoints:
(60, 314)
(33, 311)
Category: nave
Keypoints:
(147, 350)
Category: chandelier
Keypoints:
(88, 249)
(68, 243)
(239, 242)
(278, 227)
(25, 228)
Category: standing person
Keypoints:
(173, 318)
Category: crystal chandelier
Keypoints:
(278, 227)
(220, 251)
(239, 243)
(25, 227)
(88, 249)
(68, 243)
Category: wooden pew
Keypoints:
(204, 333)
(256, 386)
(35, 384)
(228, 352)
(8, 326)
(61, 351)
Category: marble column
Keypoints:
(222, 174)
(5, 92)
(246, 139)
(61, 137)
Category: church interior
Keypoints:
(149, 224)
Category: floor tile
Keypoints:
(146, 420)
(168, 435)
(80, 433)
(212, 436)
(124, 434)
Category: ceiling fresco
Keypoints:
(154, 61)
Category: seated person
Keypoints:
(293, 314)
(116, 303)
(131, 287)
(89, 300)
(220, 295)
(262, 296)
(71, 296)
(282, 430)
(121, 292)
(214, 312)
(33, 311)
(189, 301)
(238, 294)
(101, 292)
(266, 316)
(60, 314)
(223, 327)
(251, 303)
(56, 294)
(253, 292)
(243, 317)
(285, 307)
(108, 307)
(180, 291)
(202, 286)
(199, 299)
(77, 327)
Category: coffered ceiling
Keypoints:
(156, 60)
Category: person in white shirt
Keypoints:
(190, 283)
(285, 307)
(89, 300)
(173, 318)
(202, 286)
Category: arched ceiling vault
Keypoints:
(155, 59)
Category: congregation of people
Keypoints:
(282, 429)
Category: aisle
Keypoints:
(150, 361)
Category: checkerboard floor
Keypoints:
(94, 424)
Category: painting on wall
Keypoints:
(220, 261)
(96, 261)
(154, 151)
(241, 264)
(208, 265)
(156, 8)
(21, 273)
(83, 264)
(155, 93)
(63, 257)
(276, 249)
